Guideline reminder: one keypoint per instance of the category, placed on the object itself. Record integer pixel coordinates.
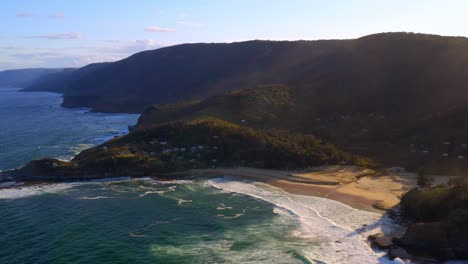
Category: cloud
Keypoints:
(158, 29)
(10, 47)
(138, 45)
(24, 15)
(75, 56)
(189, 23)
(60, 36)
(57, 16)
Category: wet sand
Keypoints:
(357, 187)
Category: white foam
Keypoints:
(232, 217)
(14, 193)
(223, 207)
(336, 230)
(94, 198)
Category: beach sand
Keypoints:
(360, 188)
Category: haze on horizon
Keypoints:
(54, 33)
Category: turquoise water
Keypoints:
(143, 221)
(33, 125)
(132, 221)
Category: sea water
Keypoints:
(126, 220)
(33, 125)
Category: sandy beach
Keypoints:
(360, 188)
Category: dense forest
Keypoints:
(182, 145)
(403, 93)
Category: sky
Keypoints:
(72, 33)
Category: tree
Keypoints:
(424, 180)
(458, 181)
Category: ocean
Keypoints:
(33, 125)
(212, 220)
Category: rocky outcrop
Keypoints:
(440, 229)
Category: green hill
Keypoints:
(401, 75)
(59, 81)
(22, 77)
(200, 143)
(263, 106)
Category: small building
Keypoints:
(215, 147)
(243, 120)
(200, 147)
(104, 148)
(445, 154)
(461, 157)
(163, 143)
(182, 149)
(55, 164)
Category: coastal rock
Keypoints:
(441, 215)
(398, 253)
(381, 241)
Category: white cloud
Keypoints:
(24, 15)
(57, 16)
(69, 36)
(158, 29)
(189, 23)
(76, 56)
(10, 47)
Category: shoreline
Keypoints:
(346, 184)
(360, 188)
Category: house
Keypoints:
(243, 120)
(445, 154)
(214, 160)
(104, 148)
(163, 143)
(182, 149)
(461, 157)
(215, 137)
(447, 143)
(200, 147)
(425, 152)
